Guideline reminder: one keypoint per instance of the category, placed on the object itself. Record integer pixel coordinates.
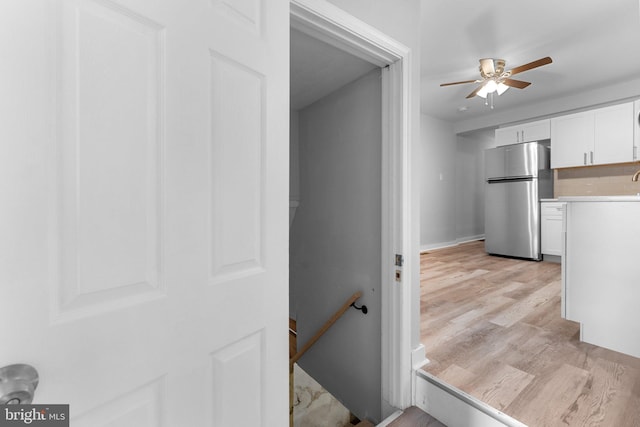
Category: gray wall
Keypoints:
(400, 19)
(470, 183)
(452, 183)
(438, 181)
(294, 157)
(336, 244)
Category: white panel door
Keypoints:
(144, 190)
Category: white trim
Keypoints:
(326, 22)
(418, 357)
(391, 418)
(442, 245)
(455, 408)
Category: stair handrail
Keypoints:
(329, 323)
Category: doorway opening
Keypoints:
(493, 328)
(388, 66)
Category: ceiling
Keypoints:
(593, 43)
(317, 69)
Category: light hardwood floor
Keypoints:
(492, 328)
(415, 417)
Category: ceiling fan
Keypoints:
(496, 79)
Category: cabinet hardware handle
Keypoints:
(585, 158)
(635, 152)
(591, 155)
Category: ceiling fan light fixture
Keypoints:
(491, 86)
(482, 93)
(502, 88)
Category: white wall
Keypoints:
(613, 93)
(294, 162)
(400, 19)
(470, 184)
(336, 242)
(452, 183)
(438, 183)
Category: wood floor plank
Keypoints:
(491, 327)
(546, 400)
(415, 417)
(526, 306)
(605, 397)
(501, 387)
(457, 376)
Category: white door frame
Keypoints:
(332, 25)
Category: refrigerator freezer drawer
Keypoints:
(512, 218)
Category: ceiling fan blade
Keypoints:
(516, 83)
(458, 83)
(535, 64)
(487, 66)
(475, 92)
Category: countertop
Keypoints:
(599, 199)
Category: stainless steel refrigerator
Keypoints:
(518, 176)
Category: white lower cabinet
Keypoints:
(551, 228)
(600, 272)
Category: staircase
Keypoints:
(313, 406)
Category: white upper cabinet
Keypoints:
(525, 132)
(571, 140)
(613, 134)
(594, 137)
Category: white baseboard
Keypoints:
(418, 357)
(470, 238)
(442, 245)
(389, 419)
(455, 408)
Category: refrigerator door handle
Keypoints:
(509, 179)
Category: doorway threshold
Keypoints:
(454, 407)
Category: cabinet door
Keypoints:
(526, 132)
(613, 137)
(551, 228)
(572, 140)
(535, 131)
(507, 135)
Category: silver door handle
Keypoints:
(17, 384)
(585, 158)
(591, 154)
